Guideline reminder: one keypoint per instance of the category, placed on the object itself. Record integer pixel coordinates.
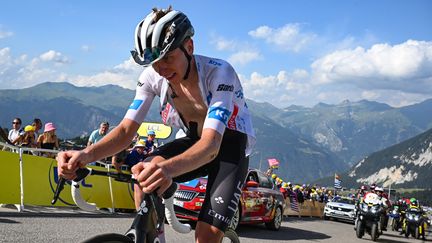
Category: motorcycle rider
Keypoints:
(414, 207)
(361, 192)
(385, 203)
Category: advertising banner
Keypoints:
(162, 131)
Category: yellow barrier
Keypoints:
(40, 180)
(307, 208)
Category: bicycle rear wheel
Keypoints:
(109, 238)
(230, 236)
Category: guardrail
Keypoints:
(31, 180)
(306, 209)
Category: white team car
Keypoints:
(340, 208)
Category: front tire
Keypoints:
(359, 230)
(235, 221)
(276, 223)
(111, 238)
(417, 232)
(230, 236)
(374, 232)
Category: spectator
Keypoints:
(98, 134)
(16, 132)
(4, 136)
(28, 138)
(137, 154)
(48, 139)
(119, 159)
(150, 142)
(37, 123)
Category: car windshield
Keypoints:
(344, 200)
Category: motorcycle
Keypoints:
(369, 215)
(414, 224)
(395, 217)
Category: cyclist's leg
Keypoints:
(226, 176)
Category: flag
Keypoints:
(337, 182)
(294, 202)
(273, 163)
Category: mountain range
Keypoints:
(405, 165)
(309, 142)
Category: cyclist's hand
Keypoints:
(151, 176)
(68, 162)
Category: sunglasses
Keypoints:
(16, 123)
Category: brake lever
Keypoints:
(59, 188)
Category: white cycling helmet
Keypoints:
(156, 35)
(379, 189)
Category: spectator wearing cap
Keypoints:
(48, 139)
(16, 132)
(150, 142)
(137, 154)
(28, 138)
(98, 134)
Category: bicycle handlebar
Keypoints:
(81, 203)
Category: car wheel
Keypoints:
(235, 221)
(325, 217)
(276, 223)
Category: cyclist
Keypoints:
(204, 97)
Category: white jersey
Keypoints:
(221, 91)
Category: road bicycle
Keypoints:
(147, 225)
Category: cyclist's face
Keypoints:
(174, 64)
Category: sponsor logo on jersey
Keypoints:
(213, 62)
(135, 104)
(239, 94)
(165, 113)
(225, 87)
(139, 84)
(209, 97)
(232, 120)
(219, 113)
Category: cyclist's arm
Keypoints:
(121, 136)
(115, 141)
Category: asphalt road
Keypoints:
(72, 226)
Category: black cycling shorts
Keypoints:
(226, 174)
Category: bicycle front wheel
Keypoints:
(109, 238)
(230, 236)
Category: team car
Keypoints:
(340, 208)
(260, 201)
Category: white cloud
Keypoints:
(223, 44)
(244, 57)
(287, 38)
(124, 75)
(406, 67)
(276, 89)
(19, 72)
(53, 56)
(5, 34)
(85, 48)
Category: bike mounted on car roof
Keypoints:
(148, 223)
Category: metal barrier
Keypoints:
(40, 175)
(306, 209)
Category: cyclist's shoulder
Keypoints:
(216, 73)
(149, 80)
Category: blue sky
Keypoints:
(285, 52)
